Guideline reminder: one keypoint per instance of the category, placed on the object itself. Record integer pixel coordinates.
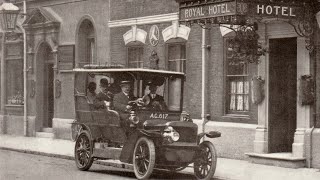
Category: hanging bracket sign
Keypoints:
(224, 11)
(212, 10)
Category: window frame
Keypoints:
(136, 62)
(91, 49)
(227, 95)
(184, 61)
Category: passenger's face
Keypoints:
(126, 88)
(103, 88)
(153, 89)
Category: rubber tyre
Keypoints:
(143, 158)
(83, 151)
(206, 161)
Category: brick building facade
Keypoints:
(64, 34)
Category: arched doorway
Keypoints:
(45, 85)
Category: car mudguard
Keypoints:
(127, 150)
(83, 127)
(210, 134)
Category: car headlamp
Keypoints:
(170, 134)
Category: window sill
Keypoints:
(236, 116)
(13, 109)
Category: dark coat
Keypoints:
(157, 103)
(101, 97)
(120, 102)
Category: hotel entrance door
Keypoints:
(282, 94)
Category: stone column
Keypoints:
(303, 112)
(261, 136)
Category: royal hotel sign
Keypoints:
(220, 11)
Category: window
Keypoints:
(90, 50)
(86, 46)
(177, 57)
(135, 57)
(15, 82)
(237, 84)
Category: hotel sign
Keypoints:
(277, 10)
(212, 10)
(233, 8)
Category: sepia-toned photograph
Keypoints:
(159, 89)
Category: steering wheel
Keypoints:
(136, 103)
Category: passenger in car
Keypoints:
(91, 95)
(153, 100)
(104, 95)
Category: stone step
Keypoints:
(49, 130)
(44, 135)
(277, 159)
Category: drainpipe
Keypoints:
(25, 71)
(203, 84)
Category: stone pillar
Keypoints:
(303, 111)
(261, 136)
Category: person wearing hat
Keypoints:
(91, 94)
(121, 101)
(103, 95)
(154, 100)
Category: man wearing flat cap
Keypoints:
(103, 95)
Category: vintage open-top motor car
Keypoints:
(153, 136)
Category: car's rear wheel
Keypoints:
(83, 151)
(143, 158)
(206, 161)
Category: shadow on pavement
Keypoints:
(157, 174)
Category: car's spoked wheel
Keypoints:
(206, 161)
(143, 158)
(83, 151)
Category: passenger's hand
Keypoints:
(106, 103)
(128, 107)
(140, 102)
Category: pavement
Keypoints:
(226, 168)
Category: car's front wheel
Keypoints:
(143, 158)
(206, 161)
(83, 151)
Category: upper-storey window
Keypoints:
(135, 57)
(177, 57)
(86, 44)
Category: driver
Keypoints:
(121, 101)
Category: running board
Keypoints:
(107, 153)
